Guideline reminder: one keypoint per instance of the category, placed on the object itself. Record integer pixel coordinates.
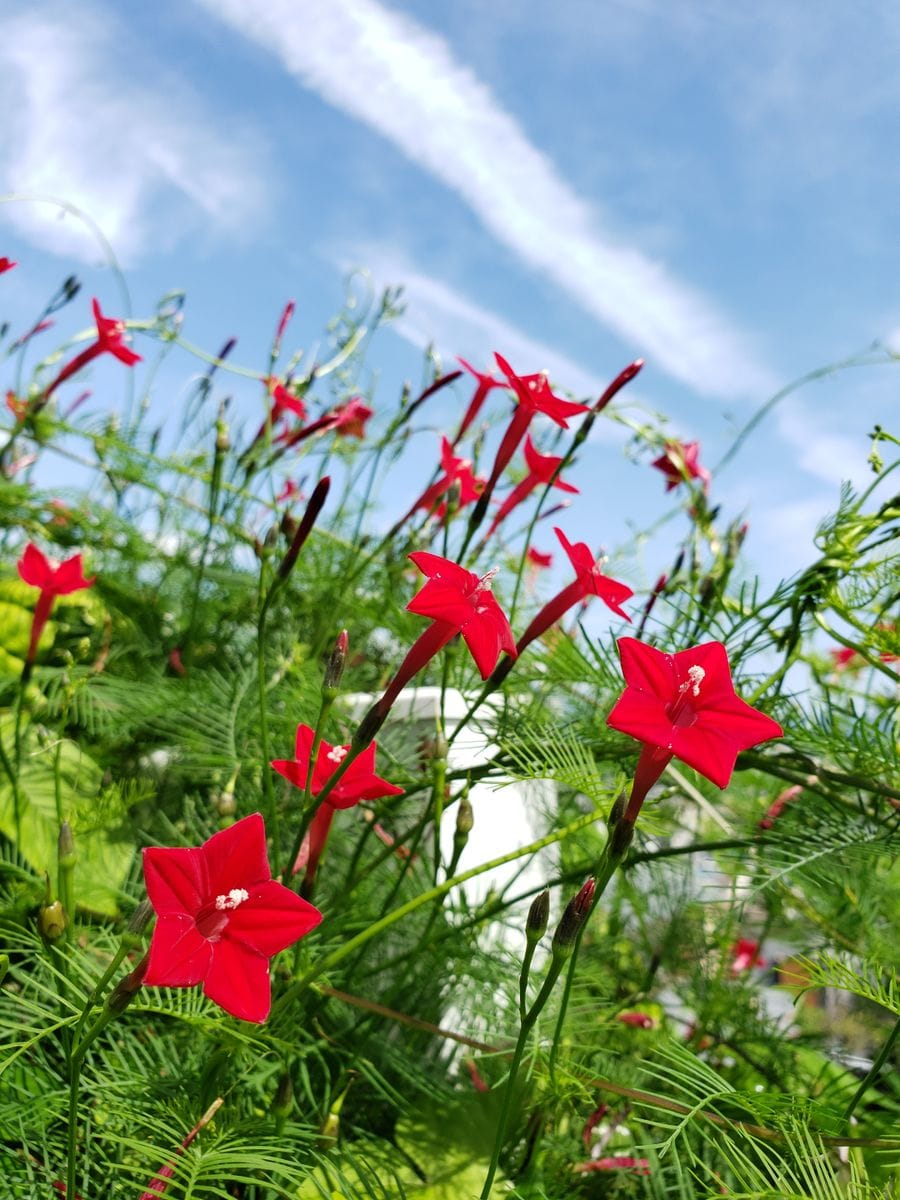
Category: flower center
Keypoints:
(212, 918)
(682, 712)
(337, 754)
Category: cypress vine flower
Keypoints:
(484, 384)
(683, 706)
(457, 601)
(358, 783)
(679, 461)
(541, 469)
(6, 264)
(221, 917)
(110, 340)
(54, 579)
(455, 471)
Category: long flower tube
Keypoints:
(110, 340)
(485, 383)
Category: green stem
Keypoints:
(268, 788)
(348, 947)
(525, 1029)
(874, 1070)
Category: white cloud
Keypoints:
(468, 329)
(390, 72)
(129, 146)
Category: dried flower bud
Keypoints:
(52, 921)
(538, 917)
(335, 670)
(126, 989)
(573, 919)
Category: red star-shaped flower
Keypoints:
(455, 471)
(53, 579)
(680, 461)
(284, 401)
(684, 706)
(745, 955)
(111, 333)
(538, 558)
(350, 419)
(484, 384)
(6, 264)
(221, 917)
(464, 603)
(358, 783)
(535, 395)
(541, 469)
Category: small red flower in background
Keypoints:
(221, 917)
(6, 264)
(290, 491)
(678, 462)
(484, 384)
(637, 1020)
(615, 1162)
(843, 657)
(54, 579)
(589, 581)
(18, 407)
(744, 955)
(111, 334)
(283, 401)
(538, 558)
(779, 804)
(456, 471)
(541, 468)
(350, 419)
(475, 1075)
(358, 783)
(684, 706)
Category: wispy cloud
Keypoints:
(390, 72)
(89, 120)
(439, 314)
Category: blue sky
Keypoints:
(712, 187)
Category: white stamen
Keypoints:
(337, 754)
(235, 897)
(485, 582)
(696, 676)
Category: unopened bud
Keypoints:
(4, 966)
(334, 671)
(223, 440)
(617, 812)
(573, 919)
(126, 989)
(620, 836)
(65, 846)
(465, 818)
(52, 921)
(538, 917)
(138, 923)
(283, 1100)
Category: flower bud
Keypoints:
(617, 812)
(465, 817)
(52, 921)
(134, 931)
(4, 966)
(573, 919)
(538, 917)
(335, 669)
(65, 846)
(620, 836)
(223, 440)
(126, 989)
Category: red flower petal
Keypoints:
(237, 856)
(179, 955)
(272, 919)
(176, 880)
(238, 981)
(34, 568)
(69, 577)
